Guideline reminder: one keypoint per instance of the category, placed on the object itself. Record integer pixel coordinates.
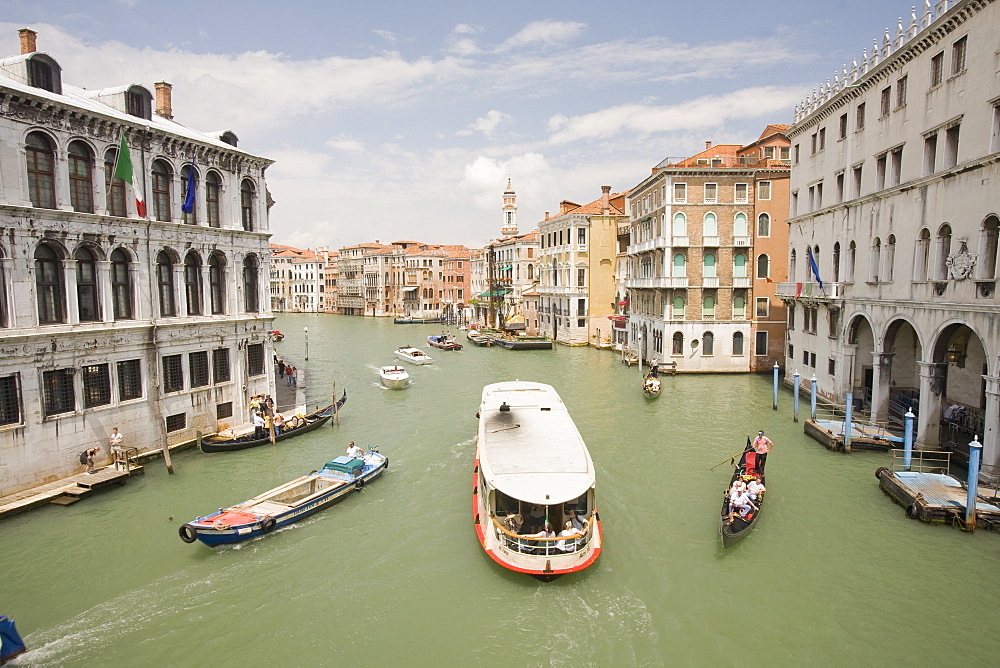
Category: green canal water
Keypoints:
(833, 575)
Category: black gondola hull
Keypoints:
(314, 420)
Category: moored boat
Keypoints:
(286, 503)
(11, 644)
(229, 441)
(533, 470)
(734, 525)
(478, 338)
(394, 377)
(444, 342)
(523, 342)
(407, 320)
(413, 355)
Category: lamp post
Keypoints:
(305, 331)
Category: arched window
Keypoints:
(49, 285)
(161, 190)
(41, 159)
(680, 225)
(739, 307)
(81, 177)
(922, 251)
(250, 283)
(192, 283)
(114, 186)
(710, 225)
(738, 343)
(988, 237)
(531, 272)
(763, 266)
(186, 184)
(121, 285)
(677, 309)
(836, 262)
(4, 313)
(739, 265)
(791, 266)
(707, 344)
(680, 266)
(763, 225)
(943, 252)
(87, 298)
(709, 269)
(876, 259)
(213, 186)
(740, 228)
(708, 307)
(165, 284)
(852, 260)
(216, 283)
(246, 205)
(889, 258)
(677, 344)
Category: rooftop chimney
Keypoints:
(163, 104)
(546, 215)
(27, 40)
(605, 200)
(708, 145)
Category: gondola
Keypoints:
(217, 443)
(732, 527)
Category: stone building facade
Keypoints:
(156, 324)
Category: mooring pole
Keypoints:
(847, 421)
(812, 398)
(774, 406)
(975, 452)
(305, 332)
(796, 379)
(908, 439)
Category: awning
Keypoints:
(411, 289)
(495, 293)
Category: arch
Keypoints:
(708, 268)
(740, 225)
(680, 225)
(162, 175)
(247, 198)
(836, 262)
(763, 266)
(739, 265)
(213, 195)
(192, 283)
(708, 307)
(876, 259)
(922, 253)
(889, 258)
(189, 179)
(40, 157)
(80, 160)
(710, 225)
(251, 283)
(679, 266)
(531, 272)
(114, 186)
(677, 308)
(738, 344)
(858, 322)
(989, 234)
(165, 284)
(852, 261)
(707, 344)
(791, 265)
(44, 72)
(49, 284)
(121, 284)
(677, 344)
(943, 252)
(739, 307)
(764, 225)
(87, 294)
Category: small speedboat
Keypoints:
(478, 338)
(413, 355)
(11, 644)
(278, 336)
(444, 342)
(287, 503)
(394, 377)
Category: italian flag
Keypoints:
(124, 171)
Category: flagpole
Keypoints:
(142, 150)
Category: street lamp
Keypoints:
(306, 332)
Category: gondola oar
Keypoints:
(729, 459)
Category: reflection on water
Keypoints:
(830, 576)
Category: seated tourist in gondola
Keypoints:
(755, 489)
(739, 501)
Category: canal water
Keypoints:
(834, 573)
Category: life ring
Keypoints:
(912, 511)
(879, 471)
(267, 526)
(359, 484)
(188, 533)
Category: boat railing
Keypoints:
(516, 542)
(921, 461)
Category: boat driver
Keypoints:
(354, 451)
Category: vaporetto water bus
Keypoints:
(533, 483)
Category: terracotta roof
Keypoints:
(595, 208)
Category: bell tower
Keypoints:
(509, 226)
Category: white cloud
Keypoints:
(345, 143)
(486, 124)
(546, 33)
(387, 35)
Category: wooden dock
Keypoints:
(936, 497)
(67, 490)
(863, 436)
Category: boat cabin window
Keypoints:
(505, 505)
(579, 505)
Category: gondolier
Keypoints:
(762, 445)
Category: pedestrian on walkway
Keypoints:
(289, 371)
(295, 376)
(281, 367)
(87, 458)
(116, 439)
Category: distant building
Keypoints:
(578, 258)
(894, 199)
(708, 239)
(298, 283)
(154, 323)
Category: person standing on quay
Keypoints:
(289, 372)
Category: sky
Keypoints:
(403, 120)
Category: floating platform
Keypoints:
(67, 490)
(863, 436)
(936, 497)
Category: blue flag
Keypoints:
(815, 269)
(188, 206)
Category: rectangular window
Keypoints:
(895, 166)
(833, 320)
(840, 187)
(762, 307)
(813, 142)
(220, 366)
(822, 138)
(843, 126)
(769, 153)
(831, 366)
(581, 277)
(57, 391)
(223, 411)
(10, 399)
(812, 360)
(760, 343)
(129, 380)
(680, 193)
(937, 70)
(901, 92)
(96, 385)
(958, 56)
(791, 315)
(581, 236)
(742, 193)
(581, 307)
(711, 193)
(176, 422)
(763, 190)
(173, 374)
(856, 173)
(797, 153)
(198, 368)
(784, 153)
(886, 101)
(880, 163)
(951, 147)
(581, 322)
(255, 359)
(859, 122)
(930, 154)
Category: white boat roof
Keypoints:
(533, 452)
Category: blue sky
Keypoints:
(403, 120)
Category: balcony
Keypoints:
(652, 282)
(679, 281)
(741, 241)
(710, 281)
(681, 242)
(710, 241)
(811, 290)
(648, 245)
(560, 290)
(741, 281)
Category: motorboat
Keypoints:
(394, 377)
(444, 342)
(286, 503)
(478, 338)
(533, 482)
(413, 355)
